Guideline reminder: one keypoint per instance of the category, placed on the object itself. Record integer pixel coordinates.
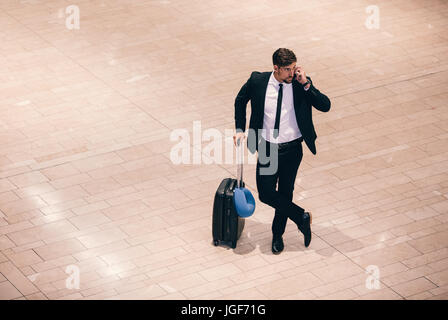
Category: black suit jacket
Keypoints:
(255, 91)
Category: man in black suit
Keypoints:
(281, 119)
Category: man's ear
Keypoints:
(275, 68)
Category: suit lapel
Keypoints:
(298, 98)
(297, 93)
(263, 85)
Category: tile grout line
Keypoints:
(390, 83)
(350, 259)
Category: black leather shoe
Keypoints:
(305, 228)
(277, 245)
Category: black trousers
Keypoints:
(288, 163)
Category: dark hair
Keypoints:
(283, 57)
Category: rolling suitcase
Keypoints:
(227, 225)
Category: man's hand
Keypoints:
(237, 136)
(300, 75)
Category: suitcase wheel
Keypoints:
(216, 242)
(233, 244)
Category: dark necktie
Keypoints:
(279, 110)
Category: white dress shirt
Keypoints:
(289, 130)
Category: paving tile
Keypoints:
(64, 195)
(439, 278)
(387, 255)
(22, 205)
(382, 294)
(102, 238)
(8, 291)
(219, 272)
(149, 292)
(24, 258)
(337, 271)
(290, 285)
(59, 249)
(414, 287)
(431, 242)
(41, 232)
(17, 279)
(28, 179)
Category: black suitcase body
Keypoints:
(227, 224)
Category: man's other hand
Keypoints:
(237, 136)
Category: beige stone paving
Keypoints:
(86, 179)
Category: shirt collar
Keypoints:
(276, 82)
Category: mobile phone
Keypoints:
(295, 77)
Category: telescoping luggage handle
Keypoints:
(242, 198)
(240, 160)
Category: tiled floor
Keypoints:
(87, 184)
